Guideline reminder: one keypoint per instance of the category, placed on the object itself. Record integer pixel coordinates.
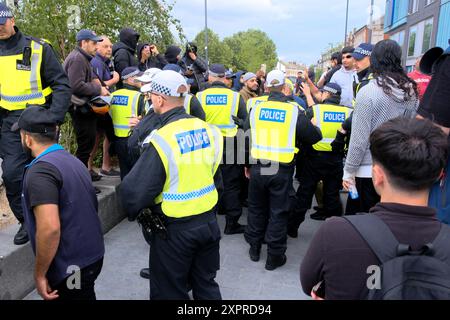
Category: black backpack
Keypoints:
(405, 274)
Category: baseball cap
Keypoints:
(217, 70)
(332, 88)
(35, 119)
(85, 34)
(275, 78)
(130, 72)
(230, 75)
(362, 51)
(169, 83)
(148, 75)
(248, 76)
(5, 13)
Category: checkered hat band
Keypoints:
(6, 14)
(329, 89)
(363, 52)
(159, 88)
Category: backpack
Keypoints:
(405, 274)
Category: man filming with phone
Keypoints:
(195, 68)
(149, 57)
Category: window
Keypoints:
(412, 41)
(427, 32)
(399, 37)
(413, 6)
(428, 2)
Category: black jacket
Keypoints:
(124, 52)
(157, 61)
(80, 72)
(306, 132)
(199, 67)
(52, 73)
(137, 190)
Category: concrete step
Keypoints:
(17, 262)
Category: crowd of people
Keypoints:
(195, 140)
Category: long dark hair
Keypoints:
(386, 64)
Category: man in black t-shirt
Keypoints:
(60, 211)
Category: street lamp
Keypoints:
(206, 31)
(346, 24)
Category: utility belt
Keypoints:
(159, 224)
(6, 112)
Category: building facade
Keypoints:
(443, 35)
(414, 25)
(290, 68)
(363, 35)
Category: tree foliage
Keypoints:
(218, 51)
(59, 21)
(252, 48)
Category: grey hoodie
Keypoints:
(373, 108)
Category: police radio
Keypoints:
(25, 63)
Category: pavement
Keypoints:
(239, 278)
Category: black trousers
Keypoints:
(230, 199)
(87, 289)
(318, 166)
(190, 255)
(14, 160)
(85, 126)
(368, 197)
(121, 149)
(268, 208)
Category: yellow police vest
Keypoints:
(124, 104)
(358, 87)
(191, 151)
(21, 83)
(273, 128)
(329, 119)
(220, 104)
(252, 102)
(187, 103)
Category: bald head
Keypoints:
(104, 48)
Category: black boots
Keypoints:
(274, 262)
(234, 228)
(21, 236)
(255, 253)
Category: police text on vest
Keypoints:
(272, 115)
(333, 116)
(217, 100)
(193, 140)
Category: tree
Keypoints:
(251, 49)
(59, 21)
(218, 51)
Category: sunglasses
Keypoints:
(348, 57)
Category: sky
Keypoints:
(301, 29)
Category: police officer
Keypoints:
(322, 162)
(126, 103)
(175, 176)
(277, 129)
(191, 103)
(221, 106)
(30, 73)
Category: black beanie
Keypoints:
(171, 54)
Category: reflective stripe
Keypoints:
(179, 197)
(134, 105)
(37, 54)
(317, 116)
(233, 111)
(253, 124)
(22, 98)
(173, 169)
(272, 149)
(218, 138)
(293, 128)
(187, 103)
(226, 126)
(118, 126)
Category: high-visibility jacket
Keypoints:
(220, 104)
(273, 128)
(252, 102)
(187, 103)
(20, 81)
(329, 119)
(191, 151)
(124, 105)
(359, 86)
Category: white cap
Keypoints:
(169, 83)
(275, 78)
(148, 75)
